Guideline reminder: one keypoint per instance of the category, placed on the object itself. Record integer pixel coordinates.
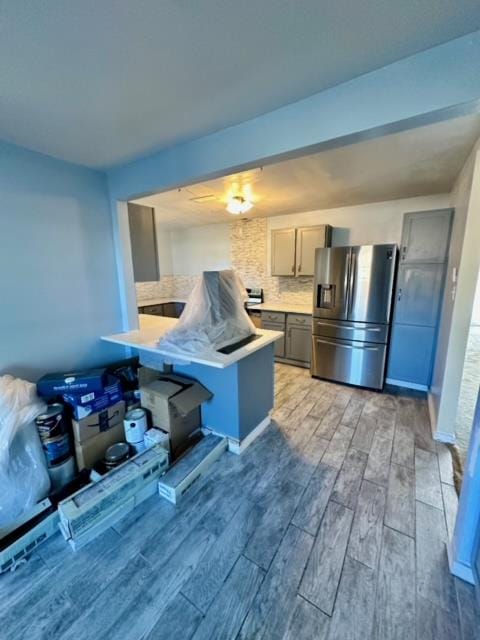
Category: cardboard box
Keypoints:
(85, 404)
(99, 422)
(192, 466)
(18, 544)
(92, 450)
(80, 540)
(54, 384)
(99, 505)
(174, 402)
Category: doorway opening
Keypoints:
(470, 384)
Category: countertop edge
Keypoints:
(132, 339)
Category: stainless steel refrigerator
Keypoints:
(352, 299)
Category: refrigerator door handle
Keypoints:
(351, 284)
(346, 281)
(345, 346)
(346, 326)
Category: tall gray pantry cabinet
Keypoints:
(418, 296)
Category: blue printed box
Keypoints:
(78, 382)
(85, 404)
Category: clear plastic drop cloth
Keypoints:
(214, 316)
(24, 478)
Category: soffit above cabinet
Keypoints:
(422, 161)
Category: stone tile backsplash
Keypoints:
(248, 250)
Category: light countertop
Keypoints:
(152, 328)
(285, 307)
(149, 301)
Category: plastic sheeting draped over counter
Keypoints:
(214, 316)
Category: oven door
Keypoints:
(358, 363)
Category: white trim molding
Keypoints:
(407, 385)
(443, 436)
(459, 569)
(238, 447)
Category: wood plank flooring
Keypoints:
(332, 525)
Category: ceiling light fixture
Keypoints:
(238, 204)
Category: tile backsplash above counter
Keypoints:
(248, 256)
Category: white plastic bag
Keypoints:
(213, 318)
(24, 478)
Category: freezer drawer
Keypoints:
(357, 363)
(356, 331)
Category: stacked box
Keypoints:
(95, 508)
(78, 382)
(84, 404)
(18, 541)
(96, 432)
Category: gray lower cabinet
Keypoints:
(298, 343)
(279, 344)
(167, 309)
(153, 309)
(411, 353)
(419, 293)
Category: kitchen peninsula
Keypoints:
(241, 381)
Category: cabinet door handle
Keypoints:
(299, 268)
(404, 252)
(293, 268)
(399, 297)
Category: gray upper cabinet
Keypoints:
(283, 252)
(144, 243)
(419, 291)
(309, 239)
(426, 236)
(293, 250)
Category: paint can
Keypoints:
(61, 474)
(51, 423)
(56, 449)
(116, 454)
(135, 425)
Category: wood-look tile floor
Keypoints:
(331, 525)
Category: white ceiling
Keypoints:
(417, 162)
(99, 82)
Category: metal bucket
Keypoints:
(56, 449)
(51, 423)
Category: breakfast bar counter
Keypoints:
(241, 382)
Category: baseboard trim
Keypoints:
(236, 446)
(459, 569)
(293, 363)
(407, 385)
(443, 436)
(239, 447)
(432, 412)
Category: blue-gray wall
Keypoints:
(58, 280)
